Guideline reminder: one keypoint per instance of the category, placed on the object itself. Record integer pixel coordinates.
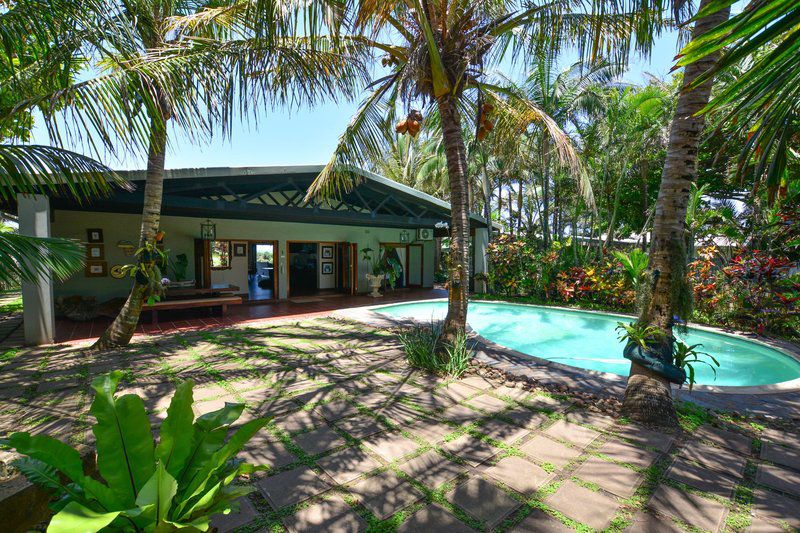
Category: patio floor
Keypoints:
(358, 441)
(70, 331)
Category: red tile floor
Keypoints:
(68, 331)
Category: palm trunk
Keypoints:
(648, 397)
(519, 209)
(120, 331)
(545, 192)
(456, 320)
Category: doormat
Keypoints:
(307, 300)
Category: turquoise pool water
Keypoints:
(588, 340)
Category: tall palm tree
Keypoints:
(222, 56)
(438, 55)
(648, 397)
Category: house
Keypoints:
(246, 228)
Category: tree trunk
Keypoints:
(120, 331)
(519, 209)
(645, 170)
(545, 192)
(456, 320)
(648, 397)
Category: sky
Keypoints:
(309, 136)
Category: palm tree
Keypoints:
(761, 102)
(217, 57)
(438, 54)
(648, 396)
(37, 60)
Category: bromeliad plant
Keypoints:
(686, 357)
(175, 484)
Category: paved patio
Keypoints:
(70, 331)
(358, 441)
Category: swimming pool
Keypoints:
(588, 340)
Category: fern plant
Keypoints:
(175, 484)
(639, 334)
(686, 357)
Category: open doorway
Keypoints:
(397, 254)
(303, 273)
(261, 280)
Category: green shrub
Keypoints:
(175, 484)
(421, 346)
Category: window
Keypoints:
(220, 255)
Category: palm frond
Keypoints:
(26, 258)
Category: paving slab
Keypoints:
(519, 474)
(472, 450)
(776, 507)
(589, 418)
(224, 523)
(460, 414)
(779, 478)
(526, 418)
(300, 421)
(546, 403)
(391, 446)
(628, 453)
(646, 437)
(540, 522)
(489, 404)
(456, 391)
(693, 509)
(431, 401)
(328, 515)
(573, 433)
(760, 525)
(434, 519)
(731, 440)
(701, 478)
(337, 409)
(479, 382)
(291, 487)
(482, 500)
(517, 394)
(398, 413)
(374, 400)
(612, 477)
(431, 469)
(595, 509)
(790, 439)
(319, 440)
(263, 450)
(716, 458)
(502, 431)
(549, 451)
(360, 427)
(430, 430)
(348, 464)
(649, 523)
(780, 455)
(385, 494)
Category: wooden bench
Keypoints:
(219, 301)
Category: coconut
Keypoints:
(481, 134)
(488, 125)
(401, 126)
(414, 127)
(488, 108)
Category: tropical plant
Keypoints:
(174, 484)
(438, 56)
(634, 265)
(648, 397)
(761, 102)
(180, 263)
(421, 343)
(685, 357)
(641, 335)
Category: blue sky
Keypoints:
(309, 136)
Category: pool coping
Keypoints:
(369, 314)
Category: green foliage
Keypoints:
(634, 263)
(421, 344)
(640, 334)
(179, 266)
(26, 258)
(685, 357)
(174, 484)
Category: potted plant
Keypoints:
(376, 274)
(649, 347)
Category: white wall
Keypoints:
(326, 281)
(236, 275)
(180, 235)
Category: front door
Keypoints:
(261, 279)
(346, 267)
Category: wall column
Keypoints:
(480, 242)
(37, 298)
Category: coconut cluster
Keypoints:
(485, 123)
(411, 124)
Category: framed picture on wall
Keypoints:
(94, 235)
(327, 267)
(327, 252)
(96, 269)
(239, 249)
(95, 252)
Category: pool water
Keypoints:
(588, 340)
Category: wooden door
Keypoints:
(346, 267)
(202, 264)
(414, 265)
